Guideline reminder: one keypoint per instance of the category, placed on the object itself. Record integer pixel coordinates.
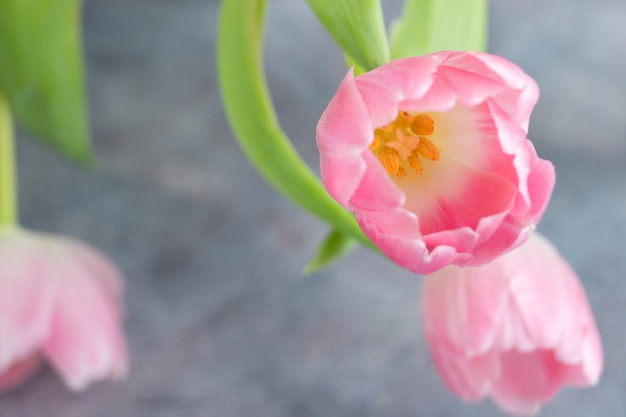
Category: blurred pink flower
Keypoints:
(431, 155)
(59, 300)
(517, 329)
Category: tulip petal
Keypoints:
(463, 308)
(518, 328)
(19, 371)
(519, 100)
(471, 88)
(343, 139)
(85, 342)
(354, 130)
(25, 298)
(528, 380)
(482, 193)
(368, 195)
(469, 379)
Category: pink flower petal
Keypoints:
(25, 298)
(343, 141)
(519, 100)
(19, 372)
(471, 88)
(517, 329)
(470, 379)
(483, 194)
(62, 299)
(477, 197)
(374, 179)
(85, 342)
(528, 380)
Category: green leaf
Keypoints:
(434, 25)
(357, 26)
(252, 118)
(352, 63)
(335, 246)
(41, 71)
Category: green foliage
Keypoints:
(252, 118)
(434, 25)
(357, 26)
(8, 201)
(41, 72)
(334, 247)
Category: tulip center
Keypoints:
(403, 143)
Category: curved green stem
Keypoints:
(8, 192)
(251, 114)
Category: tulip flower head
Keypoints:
(431, 155)
(60, 300)
(516, 329)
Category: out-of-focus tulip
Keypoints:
(516, 329)
(431, 155)
(60, 300)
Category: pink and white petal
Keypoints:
(381, 103)
(580, 341)
(341, 175)
(471, 62)
(407, 78)
(471, 88)
(524, 93)
(437, 258)
(376, 191)
(485, 307)
(463, 307)
(592, 360)
(479, 195)
(86, 342)
(468, 378)
(101, 269)
(510, 234)
(539, 290)
(345, 126)
(396, 234)
(528, 380)
(493, 158)
(439, 97)
(513, 141)
(512, 333)
(511, 135)
(541, 179)
(343, 133)
(463, 240)
(19, 372)
(399, 222)
(593, 356)
(25, 297)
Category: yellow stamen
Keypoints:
(427, 149)
(400, 144)
(423, 125)
(375, 143)
(390, 160)
(416, 164)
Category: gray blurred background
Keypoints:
(220, 321)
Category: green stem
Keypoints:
(8, 200)
(251, 115)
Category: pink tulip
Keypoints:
(431, 155)
(59, 300)
(517, 329)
